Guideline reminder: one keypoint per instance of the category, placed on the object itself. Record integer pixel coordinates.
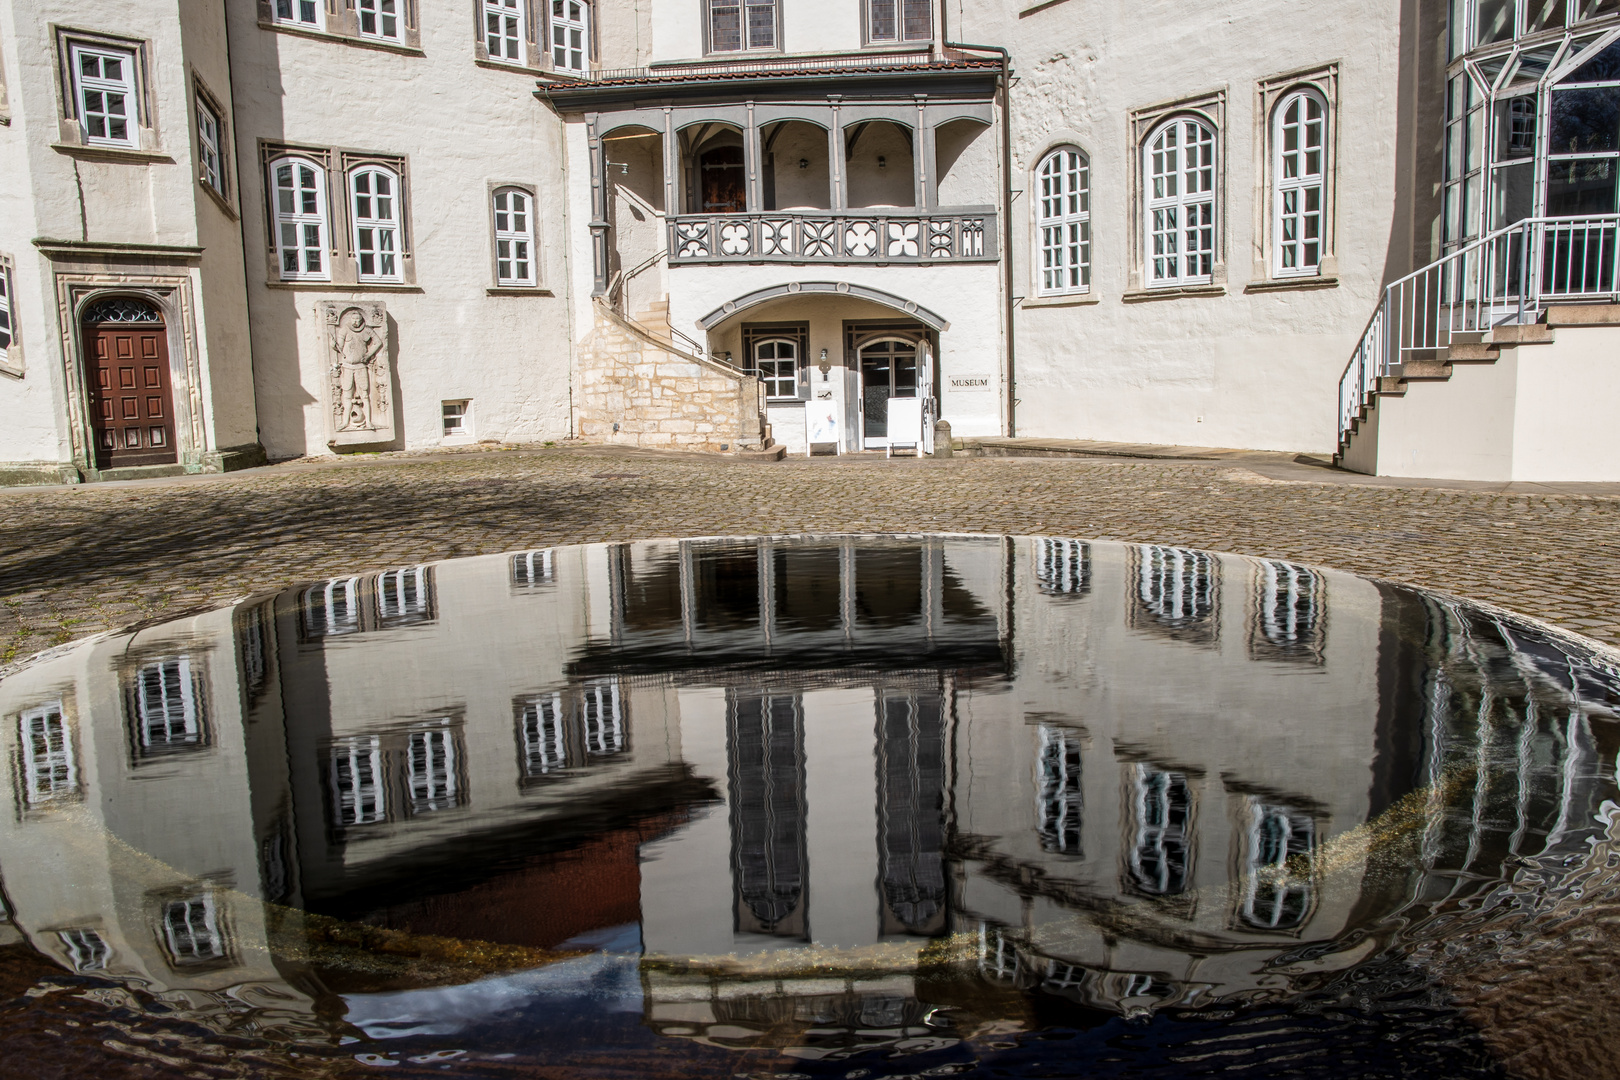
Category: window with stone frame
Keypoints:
(504, 28)
(1178, 175)
(513, 217)
(374, 205)
(742, 25)
(300, 220)
(899, 20)
(104, 93)
(379, 19)
(309, 14)
(1299, 184)
(49, 768)
(1064, 220)
(570, 35)
(8, 326)
(210, 145)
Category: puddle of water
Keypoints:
(821, 807)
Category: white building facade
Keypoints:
(252, 230)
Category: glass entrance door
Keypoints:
(888, 369)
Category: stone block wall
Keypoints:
(657, 398)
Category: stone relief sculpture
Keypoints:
(359, 374)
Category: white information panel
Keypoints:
(820, 422)
(906, 422)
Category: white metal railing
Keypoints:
(1507, 276)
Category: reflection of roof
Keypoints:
(809, 658)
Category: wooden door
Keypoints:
(131, 400)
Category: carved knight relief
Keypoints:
(358, 373)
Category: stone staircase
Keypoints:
(1467, 351)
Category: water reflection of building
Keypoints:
(1114, 769)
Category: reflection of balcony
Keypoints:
(888, 235)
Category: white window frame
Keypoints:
(510, 32)
(192, 930)
(773, 383)
(542, 732)
(378, 232)
(86, 85)
(1063, 219)
(430, 769)
(463, 432)
(1281, 844)
(364, 799)
(532, 568)
(745, 40)
(309, 14)
(576, 55)
(1293, 184)
(405, 593)
(8, 317)
(602, 718)
(1059, 791)
(300, 219)
(168, 712)
(381, 13)
(1168, 260)
(86, 949)
(210, 146)
(332, 608)
(514, 238)
(1158, 839)
(50, 769)
(896, 10)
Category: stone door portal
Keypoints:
(127, 374)
(888, 369)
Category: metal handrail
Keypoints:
(1503, 277)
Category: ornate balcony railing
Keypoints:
(843, 237)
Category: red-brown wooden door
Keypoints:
(131, 401)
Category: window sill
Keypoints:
(341, 286)
(1292, 284)
(342, 39)
(509, 65)
(220, 201)
(11, 367)
(518, 290)
(1172, 292)
(113, 153)
(1061, 300)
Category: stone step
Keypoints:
(1426, 369)
(1466, 353)
(1583, 315)
(1521, 334)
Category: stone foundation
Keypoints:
(634, 393)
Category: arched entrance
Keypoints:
(894, 367)
(126, 359)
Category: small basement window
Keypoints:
(458, 420)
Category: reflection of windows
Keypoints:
(532, 568)
(1063, 567)
(253, 649)
(899, 20)
(766, 776)
(1289, 613)
(1175, 589)
(1059, 798)
(998, 956)
(331, 609)
(431, 769)
(542, 736)
(165, 710)
(603, 718)
(49, 771)
(405, 596)
(86, 949)
(736, 25)
(358, 784)
(192, 931)
(1065, 222)
(276, 863)
(1278, 891)
(911, 811)
(1161, 815)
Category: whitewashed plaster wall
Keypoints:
(820, 27)
(154, 199)
(1261, 370)
(461, 127)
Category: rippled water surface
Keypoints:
(815, 807)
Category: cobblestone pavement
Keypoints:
(74, 561)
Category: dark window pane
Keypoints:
(1603, 67)
(1580, 187)
(1585, 121)
(1495, 21)
(725, 26)
(882, 12)
(918, 19)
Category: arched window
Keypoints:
(570, 35)
(374, 192)
(778, 363)
(1299, 170)
(1178, 173)
(514, 237)
(299, 187)
(1065, 222)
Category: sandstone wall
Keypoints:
(658, 398)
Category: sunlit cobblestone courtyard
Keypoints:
(75, 561)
